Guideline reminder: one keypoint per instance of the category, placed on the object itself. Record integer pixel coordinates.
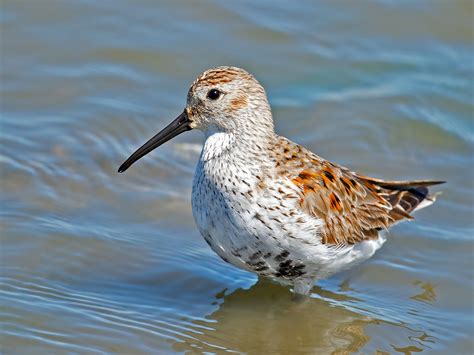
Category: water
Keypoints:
(97, 262)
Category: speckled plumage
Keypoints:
(270, 206)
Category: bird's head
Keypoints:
(220, 100)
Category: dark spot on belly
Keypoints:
(259, 217)
(282, 256)
(237, 251)
(257, 266)
(256, 255)
(288, 270)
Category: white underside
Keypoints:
(260, 230)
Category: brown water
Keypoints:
(96, 262)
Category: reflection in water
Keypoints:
(428, 294)
(266, 319)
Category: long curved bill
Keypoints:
(179, 125)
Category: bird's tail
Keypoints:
(406, 196)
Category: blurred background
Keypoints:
(98, 262)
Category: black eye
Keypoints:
(213, 94)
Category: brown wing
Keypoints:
(353, 207)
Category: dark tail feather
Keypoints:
(406, 196)
(402, 185)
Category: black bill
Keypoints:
(179, 125)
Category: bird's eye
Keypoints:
(213, 94)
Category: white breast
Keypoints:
(259, 228)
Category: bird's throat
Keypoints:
(218, 144)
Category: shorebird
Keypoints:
(268, 205)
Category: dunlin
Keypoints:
(270, 206)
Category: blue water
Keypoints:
(97, 262)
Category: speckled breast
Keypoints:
(233, 224)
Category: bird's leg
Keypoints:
(302, 288)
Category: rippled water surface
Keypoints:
(97, 262)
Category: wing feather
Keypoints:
(353, 207)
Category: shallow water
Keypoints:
(97, 262)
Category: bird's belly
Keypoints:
(224, 229)
(270, 245)
(247, 237)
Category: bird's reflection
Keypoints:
(428, 293)
(266, 319)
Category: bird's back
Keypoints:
(353, 207)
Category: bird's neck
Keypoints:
(235, 145)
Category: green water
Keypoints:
(95, 262)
